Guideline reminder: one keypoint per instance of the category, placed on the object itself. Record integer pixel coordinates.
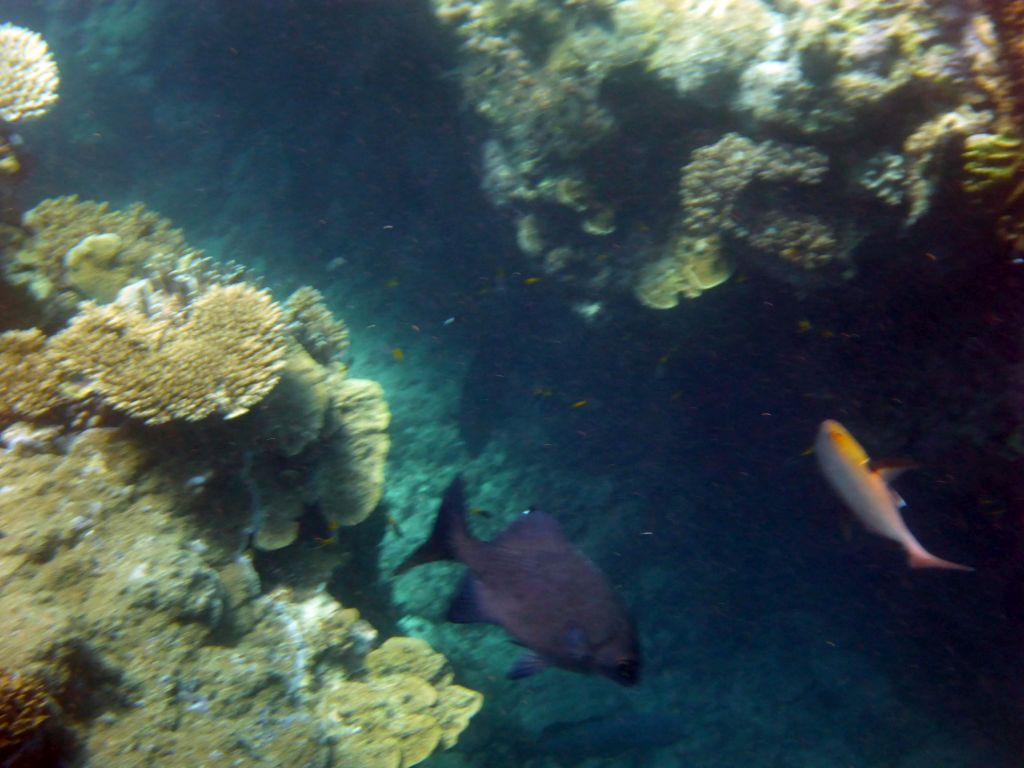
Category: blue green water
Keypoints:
(329, 142)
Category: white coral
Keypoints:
(28, 74)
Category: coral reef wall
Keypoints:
(653, 146)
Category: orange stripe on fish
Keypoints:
(863, 486)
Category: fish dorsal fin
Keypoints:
(530, 526)
(890, 469)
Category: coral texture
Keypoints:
(404, 711)
(29, 384)
(313, 325)
(81, 249)
(348, 479)
(23, 708)
(221, 353)
(584, 116)
(28, 74)
(108, 549)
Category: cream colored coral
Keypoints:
(28, 74)
(348, 479)
(694, 265)
(61, 256)
(314, 326)
(222, 353)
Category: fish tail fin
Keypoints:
(449, 528)
(919, 558)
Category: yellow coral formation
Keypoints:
(23, 708)
(397, 717)
(28, 380)
(348, 480)
(64, 256)
(222, 353)
(314, 326)
(28, 75)
(695, 265)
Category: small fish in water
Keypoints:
(397, 354)
(579, 404)
(538, 587)
(863, 485)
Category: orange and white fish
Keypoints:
(863, 485)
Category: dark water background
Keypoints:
(288, 134)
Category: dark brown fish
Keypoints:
(538, 587)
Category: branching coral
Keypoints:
(28, 75)
(29, 384)
(718, 174)
(23, 708)
(313, 325)
(156, 358)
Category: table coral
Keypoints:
(29, 79)
(221, 353)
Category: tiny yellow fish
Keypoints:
(579, 404)
(398, 354)
(479, 511)
(803, 326)
(392, 283)
(531, 281)
(828, 334)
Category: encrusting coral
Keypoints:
(405, 709)
(29, 79)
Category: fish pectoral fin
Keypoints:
(890, 469)
(526, 665)
(466, 607)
